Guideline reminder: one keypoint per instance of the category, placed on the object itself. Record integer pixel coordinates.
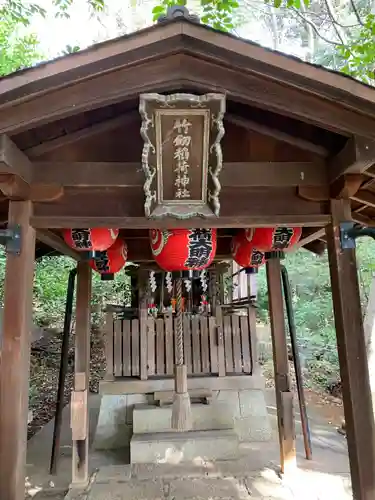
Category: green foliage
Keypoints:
(17, 50)
(22, 12)
(70, 49)
(312, 302)
(288, 3)
(359, 54)
(215, 13)
(51, 279)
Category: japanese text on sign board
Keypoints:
(182, 145)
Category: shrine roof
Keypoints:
(299, 102)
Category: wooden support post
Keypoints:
(255, 365)
(213, 291)
(15, 356)
(284, 396)
(143, 321)
(79, 408)
(359, 418)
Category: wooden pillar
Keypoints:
(143, 296)
(80, 418)
(213, 291)
(359, 418)
(15, 356)
(284, 396)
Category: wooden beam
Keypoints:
(15, 356)
(80, 456)
(237, 174)
(79, 135)
(13, 160)
(134, 386)
(356, 157)
(277, 134)
(309, 236)
(359, 416)
(103, 206)
(57, 243)
(365, 197)
(14, 188)
(318, 247)
(284, 395)
(63, 221)
(362, 219)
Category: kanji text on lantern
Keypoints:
(199, 248)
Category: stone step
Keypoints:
(149, 419)
(177, 447)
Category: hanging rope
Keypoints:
(181, 409)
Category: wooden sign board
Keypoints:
(182, 156)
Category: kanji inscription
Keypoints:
(199, 248)
(182, 156)
(82, 238)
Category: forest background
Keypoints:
(338, 34)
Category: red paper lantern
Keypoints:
(112, 260)
(267, 239)
(244, 251)
(183, 249)
(87, 240)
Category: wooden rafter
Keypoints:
(90, 131)
(310, 235)
(362, 219)
(238, 174)
(56, 242)
(365, 197)
(277, 134)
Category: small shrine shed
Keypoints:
(298, 150)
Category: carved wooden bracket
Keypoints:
(344, 187)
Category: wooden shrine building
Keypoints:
(298, 150)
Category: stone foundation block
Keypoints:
(184, 447)
(149, 419)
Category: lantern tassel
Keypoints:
(181, 409)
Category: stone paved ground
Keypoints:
(201, 483)
(253, 477)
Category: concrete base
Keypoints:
(115, 424)
(249, 412)
(152, 419)
(176, 447)
(244, 411)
